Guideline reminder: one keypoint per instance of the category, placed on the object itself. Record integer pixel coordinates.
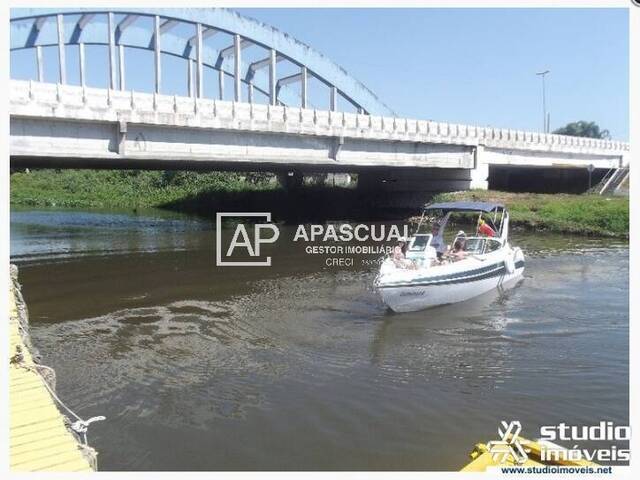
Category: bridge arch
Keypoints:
(184, 34)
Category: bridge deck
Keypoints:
(39, 440)
(61, 126)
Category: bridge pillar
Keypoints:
(480, 172)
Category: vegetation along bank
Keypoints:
(204, 193)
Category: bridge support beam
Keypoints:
(303, 87)
(81, 61)
(221, 84)
(122, 137)
(480, 171)
(237, 66)
(273, 100)
(121, 70)
(199, 72)
(40, 64)
(62, 62)
(156, 52)
(112, 51)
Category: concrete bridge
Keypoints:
(75, 126)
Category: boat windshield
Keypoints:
(474, 245)
(492, 245)
(480, 245)
(419, 243)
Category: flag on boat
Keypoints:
(485, 229)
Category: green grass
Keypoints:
(194, 191)
(119, 188)
(577, 214)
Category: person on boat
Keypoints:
(457, 251)
(437, 241)
(399, 255)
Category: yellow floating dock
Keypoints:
(481, 459)
(38, 438)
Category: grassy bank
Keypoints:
(204, 193)
(120, 188)
(561, 213)
(192, 192)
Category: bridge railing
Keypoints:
(28, 98)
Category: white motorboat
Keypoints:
(430, 274)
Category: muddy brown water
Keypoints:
(299, 366)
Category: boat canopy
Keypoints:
(465, 206)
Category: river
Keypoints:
(299, 366)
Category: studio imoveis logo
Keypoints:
(510, 444)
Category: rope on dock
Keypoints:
(80, 426)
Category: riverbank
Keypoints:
(204, 193)
(122, 188)
(591, 215)
(201, 193)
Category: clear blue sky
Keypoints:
(473, 66)
(478, 66)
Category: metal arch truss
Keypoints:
(45, 27)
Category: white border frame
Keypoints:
(634, 137)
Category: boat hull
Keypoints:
(421, 295)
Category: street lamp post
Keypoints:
(545, 120)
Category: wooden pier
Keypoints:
(38, 438)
